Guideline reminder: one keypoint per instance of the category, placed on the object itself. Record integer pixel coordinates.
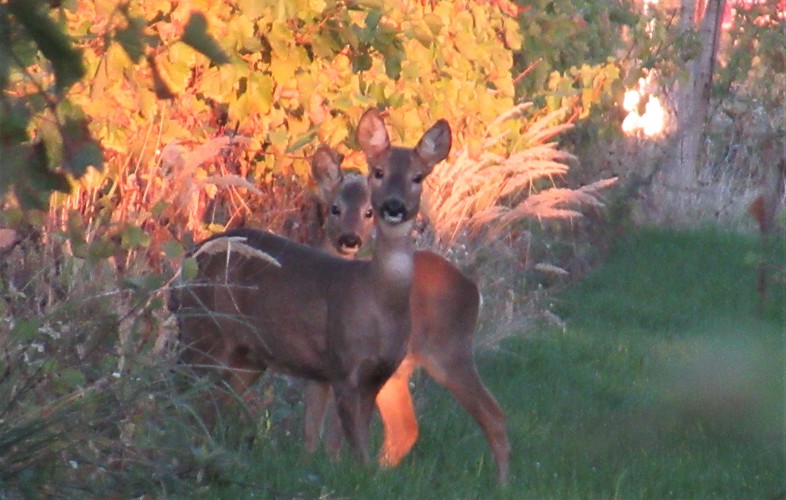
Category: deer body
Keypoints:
(444, 307)
(261, 301)
(304, 280)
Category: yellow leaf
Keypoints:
(253, 9)
(421, 32)
(283, 68)
(434, 23)
(334, 131)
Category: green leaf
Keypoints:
(302, 140)
(173, 250)
(53, 43)
(393, 64)
(196, 36)
(101, 249)
(36, 181)
(79, 148)
(71, 378)
(25, 330)
(372, 19)
(159, 208)
(361, 62)
(134, 237)
(14, 119)
(190, 268)
(144, 283)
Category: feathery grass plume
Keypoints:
(482, 192)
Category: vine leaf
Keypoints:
(197, 37)
(131, 38)
(28, 168)
(81, 150)
(51, 41)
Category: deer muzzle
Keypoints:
(349, 243)
(393, 211)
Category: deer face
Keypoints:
(346, 201)
(350, 218)
(396, 174)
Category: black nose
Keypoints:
(350, 241)
(394, 210)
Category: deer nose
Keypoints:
(351, 241)
(393, 210)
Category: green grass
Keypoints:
(668, 382)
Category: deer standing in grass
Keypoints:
(444, 305)
(261, 301)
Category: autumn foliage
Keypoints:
(206, 112)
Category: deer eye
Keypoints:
(369, 213)
(379, 173)
(417, 179)
(335, 210)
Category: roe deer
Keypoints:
(444, 305)
(261, 301)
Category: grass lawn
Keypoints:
(667, 382)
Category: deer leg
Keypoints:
(461, 378)
(240, 374)
(355, 405)
(316, 397)
(318, 405)
(334, 438)
(395, 406)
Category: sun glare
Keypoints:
(653, 121)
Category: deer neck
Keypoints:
(392, 264)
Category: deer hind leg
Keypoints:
(334, 438)
(461, 378)
(316, 397)
(394, 402)
(320, 411)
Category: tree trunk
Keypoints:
(676, 186)
(694, 97)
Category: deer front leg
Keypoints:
(318, 405)
(395, 406)
(316, 396)
(354, 405)
(240, 374)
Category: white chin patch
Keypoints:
(393, 219)
(397, 230)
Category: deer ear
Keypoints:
(372, 134)
(435, 144)
(326, 169)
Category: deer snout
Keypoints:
(349, 243)
(393, 211)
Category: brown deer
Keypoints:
(261, 301)
(444, 305)
(765, 209)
